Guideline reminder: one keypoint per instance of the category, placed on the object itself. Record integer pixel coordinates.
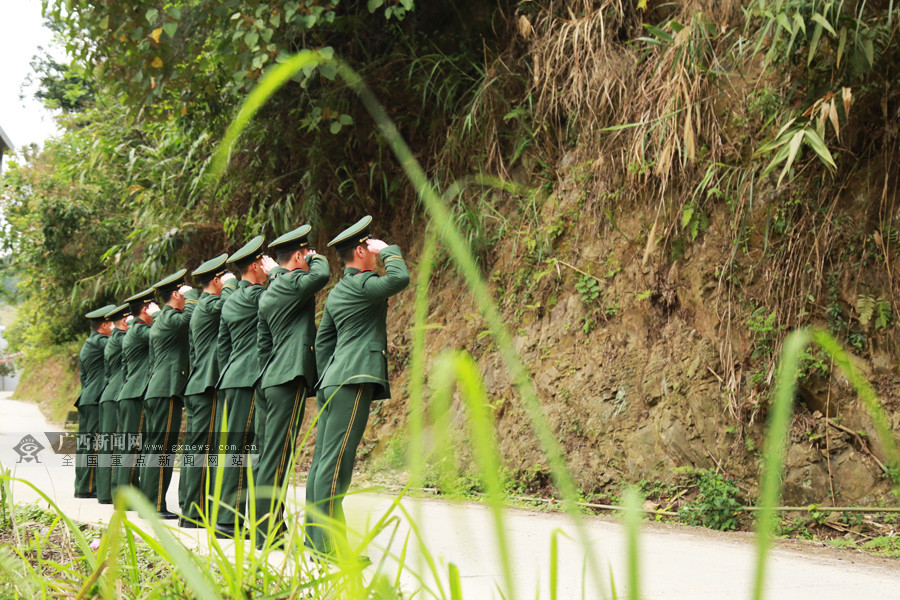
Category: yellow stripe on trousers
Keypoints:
(159, 487)
(337, 467)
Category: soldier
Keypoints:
(93, 379)
(201, 396)
(351, 356)
(136, 358)
(115, 377)
(237, 355)
(163, 401)
(287, 331)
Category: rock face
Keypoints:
(652, 372)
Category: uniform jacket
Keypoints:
(287, 325)
(115, 369)
(93, 369)
(170, 347)
(204, 338)
(237, 351)
(351, 345)
(136, 357)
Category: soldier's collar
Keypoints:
(351, 271)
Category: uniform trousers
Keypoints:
(279, 413)
(240, 404)
(163, 427)
(88, 424)
(339, 431)
(201, 440)
(107, 429)
(131, 424)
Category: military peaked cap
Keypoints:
(353, 236)
(171, 283)
(118, 313)
(145, 297)
(100, 312)
(214, 267)
(248, 253)
(292, 240)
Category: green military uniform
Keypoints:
(237, 355)
(351, 354)
(201, 396)
(93, 380)
(136, 358)
(286, 335)
(163, 401)
(115, 377)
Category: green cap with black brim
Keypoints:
(98, 314)
(118, 313)
(214, 267)
(171, 283)
(248, 253)
(353, 236)
(292, 240)
(145, 297)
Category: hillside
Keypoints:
(656, 193)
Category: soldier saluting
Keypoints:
(115, 377)
(351, 354)
(163, 401)
(202, 399)
(136, 358)
(238, 359)
(286, 337)
(93, 379)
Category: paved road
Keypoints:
(676, 562)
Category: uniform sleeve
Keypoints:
(223, 346)
(183, 318)
(192, 353)
(326, 340)
(228, 288)
(395, 279)
(307, 284)
(263, 340)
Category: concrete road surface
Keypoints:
(675, 562)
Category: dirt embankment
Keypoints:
(648, 359)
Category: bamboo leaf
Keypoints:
(821, 20)
(847, 96)
(842, 44)
(659, 33)
(816, 143)
(793, 148)
(814, 44)
(833, 117)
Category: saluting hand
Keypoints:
(228, 276)
(152, 309)
(375, 246)
(184, 289)
(268, 264)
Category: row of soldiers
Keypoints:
(240, 358)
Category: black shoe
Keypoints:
(227, 532)
(165, 514)
(86, 495)
(187, 524)
(104, 501)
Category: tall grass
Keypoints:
(241, 571)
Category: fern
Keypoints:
(879, 308)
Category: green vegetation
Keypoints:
(515, 152)
(717, 503)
